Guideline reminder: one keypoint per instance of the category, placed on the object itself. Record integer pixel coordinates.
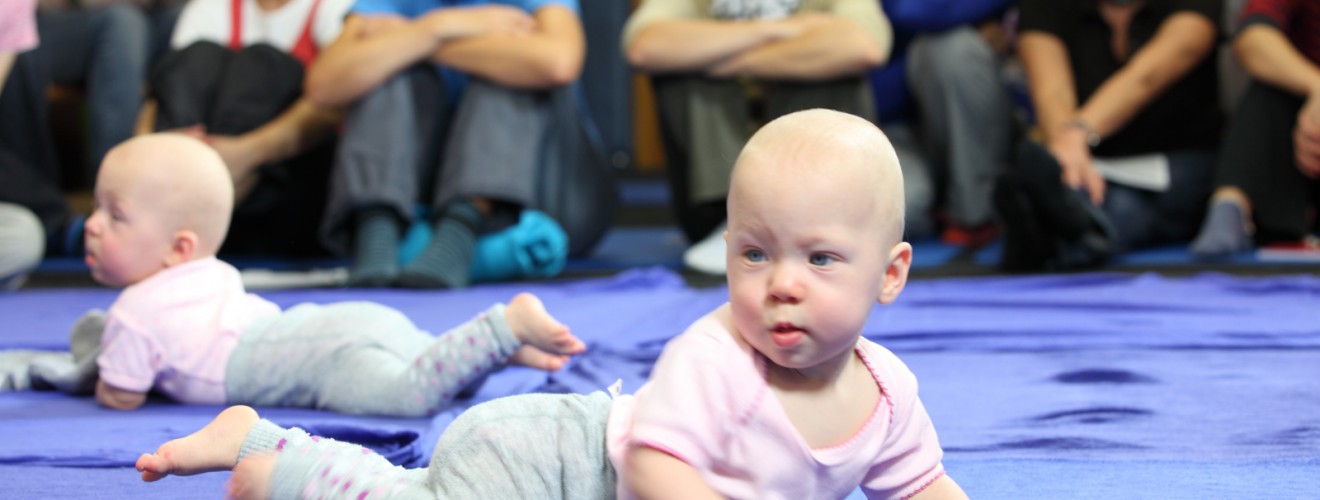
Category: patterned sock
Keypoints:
(266, 437)
(459, 357)
(314, 467)
(447, 260)
(376, 249)
(1226, 231)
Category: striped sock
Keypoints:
(376, 248)
(447, 260)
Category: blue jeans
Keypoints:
(1144, 218)
(104, 50)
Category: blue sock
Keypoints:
(376, 248)
(1225, 231)
(447, 260)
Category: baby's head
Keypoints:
(815, 236)
(161, 200)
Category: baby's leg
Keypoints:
(288, 463)
(373, 380)
(547, 343)
(215, 447)
(542, 446)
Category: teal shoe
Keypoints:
(535, 247)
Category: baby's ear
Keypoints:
(896, 272)
(183, 248)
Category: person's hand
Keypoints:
(1069, 147)
(994, 34)
(376, 24)
(1306, 138)
(492, 19)
(242, 157)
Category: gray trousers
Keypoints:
(404, 144)
(363, 358)
(399, 139)
(705, 122)
(542, 446)
(966, 122)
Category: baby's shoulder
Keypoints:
(890, 372)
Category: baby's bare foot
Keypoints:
(212, 448)
(547, 343)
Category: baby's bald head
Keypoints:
(182, 178)
(844, 156)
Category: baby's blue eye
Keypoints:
(820, 259)
(754, 255)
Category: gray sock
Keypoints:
(1223, 233)
(376, 247)
(315, 467)
(447, 260)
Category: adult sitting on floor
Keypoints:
(235, 77)
(467, 110)
(1126, 96)
(1268, 177)
(722, 67)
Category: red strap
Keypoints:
(236, 25)
(304, 50)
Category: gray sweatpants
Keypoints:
(362, 358)
(542, 446)
(966, 116)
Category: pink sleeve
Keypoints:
(911, 457)
(129, 359)
(18, 25)
(688, 409)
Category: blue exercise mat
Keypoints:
(1051, 386)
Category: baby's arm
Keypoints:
(119, 399)
(943, 488)
(651, 473)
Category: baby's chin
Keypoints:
(105, 279)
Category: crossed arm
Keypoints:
(805, 46)
(496, 42)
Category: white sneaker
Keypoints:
(709, 255)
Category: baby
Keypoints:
(772, 395)
(185, 326)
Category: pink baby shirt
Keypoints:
(175, 330)
(708, 404)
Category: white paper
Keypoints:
(1149, 172)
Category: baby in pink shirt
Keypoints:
(772, 395)
(185, 326)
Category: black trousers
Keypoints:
(1257, 157)
(232, 93)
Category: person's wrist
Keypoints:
(1077, 125)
